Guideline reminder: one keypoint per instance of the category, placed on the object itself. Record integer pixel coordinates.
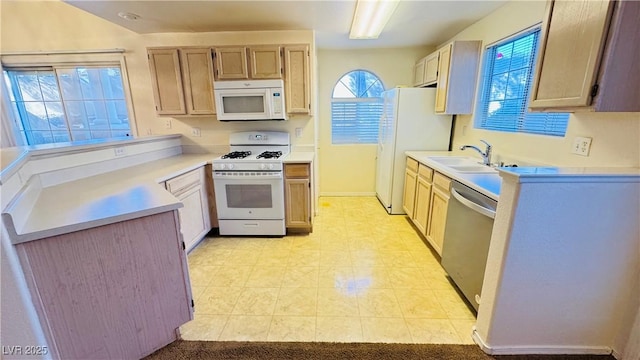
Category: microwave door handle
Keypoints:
(268, 100)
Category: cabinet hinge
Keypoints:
(309, 185)
(594, 90)
(148, 56)
(184, 247)
(193, 304)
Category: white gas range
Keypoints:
(249, 184)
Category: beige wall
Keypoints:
(616, 136)
(351, 169)
(54, 25)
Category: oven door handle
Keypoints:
(472, 205)
(274, 176)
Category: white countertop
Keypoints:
(573, 174)
(104, 199)
(485, 183)
(299, 157)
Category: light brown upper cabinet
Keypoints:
(425, 71)
(457, 76)
(197, 70)
(166, 81)
(297, 79)
(588, 57)
(266, 62)
(231, 63)
(182, 80)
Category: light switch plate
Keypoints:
(167, 123)
(581, 146)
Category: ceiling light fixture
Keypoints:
(370, 18)
(129, 16)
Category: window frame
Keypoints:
(62, 59)
(520, 118)
(356, 100)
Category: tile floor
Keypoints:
(361, 276)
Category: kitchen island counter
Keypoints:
(98, 200)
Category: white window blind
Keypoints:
(356, 108)
(507, 78)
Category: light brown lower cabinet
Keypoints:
(410, 183)
(297, 196)
(423, 199)
(117, 291)
(438, 214)
(426, 198)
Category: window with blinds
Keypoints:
(68, 103)
(507, 78)
(356, 108)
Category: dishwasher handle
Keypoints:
(472, 205)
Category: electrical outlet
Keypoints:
(120, 151)
(195, 132)
(167, 123)
(298, 132)
(581, 146)
(464, 130)
(149, 132)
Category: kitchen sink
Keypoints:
(454, 160)
(472, 169)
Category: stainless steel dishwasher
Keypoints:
(466, 239)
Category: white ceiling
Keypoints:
(414, 23)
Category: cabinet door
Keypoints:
(231, 63)
(574, 34)
(437, 218)
(266, 62)
(297, 202)
(418, 72)
(296, 83)
(443, 78)
(166, 81)
(192, 217)
(410, 181)
(197, 70)
(423, 204)
(431, 68)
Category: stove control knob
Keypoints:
(270, 166)
(223, 166)
(230, 166)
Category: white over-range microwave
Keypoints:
(239, 100)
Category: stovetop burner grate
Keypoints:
(269, 155)
(236, 155)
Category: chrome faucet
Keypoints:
(486, 155)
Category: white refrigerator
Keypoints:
(408, 122)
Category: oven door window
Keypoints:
(252, 196)
(244, 104)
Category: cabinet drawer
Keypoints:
(296, 171)
(425, 172)
(412, 164)
(183, 181)
(441, 181)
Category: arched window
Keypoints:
(356, 107)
